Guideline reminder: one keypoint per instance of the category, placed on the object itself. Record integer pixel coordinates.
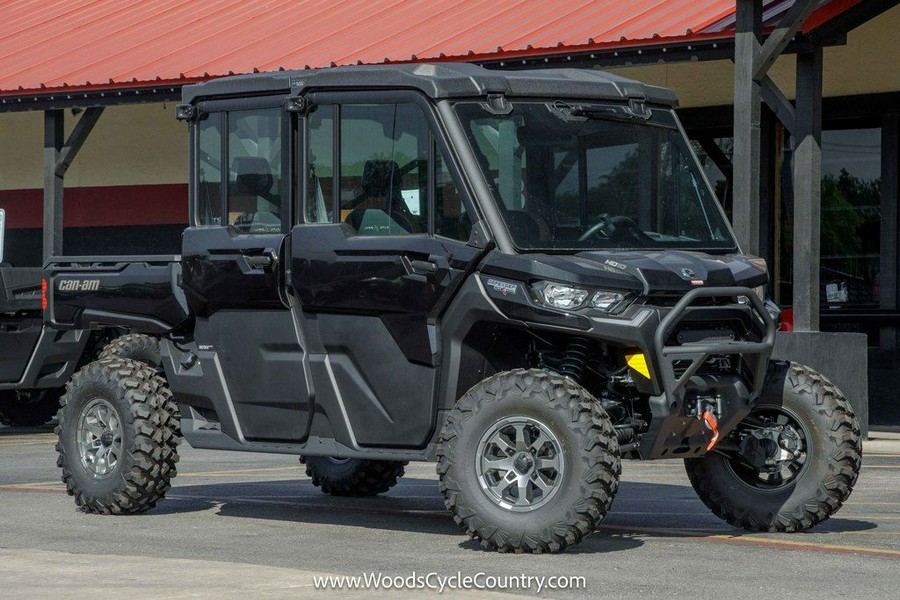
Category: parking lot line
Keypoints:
(807, 546)
(716, 536)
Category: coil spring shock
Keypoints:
(574, 359)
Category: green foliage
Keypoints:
(848, 202)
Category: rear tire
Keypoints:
(136, 346)
(528, 461)
(795, 493)
(353, 476)
(117, 437)
(28, 408)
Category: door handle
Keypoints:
(423, 266)
(260, 261)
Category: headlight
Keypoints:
(559, 295)
(760, 291)
(567, 297)
(607, 301)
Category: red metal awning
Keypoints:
(46, 45)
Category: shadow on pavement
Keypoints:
(642, 510)
(6, 431)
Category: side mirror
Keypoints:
(2, 231)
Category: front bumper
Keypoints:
(676, 429)
(676, 378)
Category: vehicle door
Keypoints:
(233, 263)
(383, 246)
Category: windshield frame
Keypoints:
(729, 245)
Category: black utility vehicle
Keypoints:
(35, 362)
(521, 275)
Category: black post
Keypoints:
(890, 223)
(807, 190)
(53, 183)
(746, 125)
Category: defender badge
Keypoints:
(502, 287)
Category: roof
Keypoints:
(47, 46)
(440, 80)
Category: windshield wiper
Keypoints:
(634, 111)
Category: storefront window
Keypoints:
(850, 230)
(851, 220)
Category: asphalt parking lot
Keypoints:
(247, 525)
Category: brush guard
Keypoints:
(687, 426)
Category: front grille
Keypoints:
(667, 300)
(717, 364)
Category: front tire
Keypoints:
(528, 461)
(117, 437)
(29, 408)
(353, 476)
(801, 452)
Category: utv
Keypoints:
(521, 275)
(35, 362)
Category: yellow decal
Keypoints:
(638, 362)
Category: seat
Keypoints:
(381, 183)
(253, 180)
(524, 228)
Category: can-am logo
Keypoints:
(78, 285)
(691, 275)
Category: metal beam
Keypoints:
(748, 30)
(807, 191)
(76, 139)
(83, 99)
(779, 39)
(659, 53)
(53, 184)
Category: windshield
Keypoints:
(569, 176)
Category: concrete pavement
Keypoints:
(253, 526)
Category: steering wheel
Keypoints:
(603, 223)
(608, 226)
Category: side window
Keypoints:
(209, 170)
(320, 189)
(450, 217)
(384, 168)
(254, 170)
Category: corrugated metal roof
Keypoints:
(91, 44)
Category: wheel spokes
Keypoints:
(519, 463)
(99, 438)
(499, 464)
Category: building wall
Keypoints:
(859, 67)
(126, 190)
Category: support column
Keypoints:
(889, 280)
(54, 138)
(807, 190)
(746, 125)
